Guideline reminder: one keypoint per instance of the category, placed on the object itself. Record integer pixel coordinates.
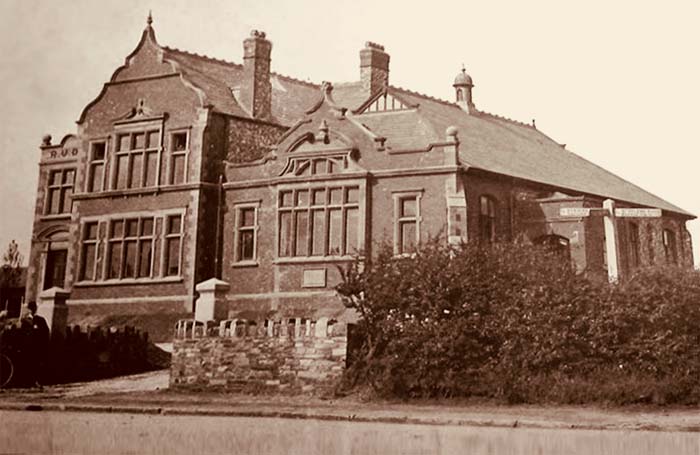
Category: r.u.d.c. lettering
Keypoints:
(63, 153)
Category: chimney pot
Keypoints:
(374, 68)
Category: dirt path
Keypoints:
(136, 383)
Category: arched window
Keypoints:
(487, 219)
(670, 251)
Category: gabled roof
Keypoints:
(217, 82)
(487, 142)
(220, 81)
(496, 144)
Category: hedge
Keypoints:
(515, 322)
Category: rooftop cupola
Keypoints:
(256, 89)
(374, 68)
(463, 91)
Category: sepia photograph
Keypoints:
(349, 227)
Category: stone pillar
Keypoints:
(456, 199)
(612, 245)
(52, 307)
(211, 304)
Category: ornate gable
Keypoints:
(384, 101)
(146, 60)
(139, 113)
(327, 142)
(326, 152)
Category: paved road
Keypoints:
(111, 433)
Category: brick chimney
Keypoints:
(374, 68)
(256, 90)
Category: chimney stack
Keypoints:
(374, 68)
(256, 90)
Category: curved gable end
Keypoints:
(146, 60)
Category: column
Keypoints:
(612, 245)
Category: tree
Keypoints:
(10, 271)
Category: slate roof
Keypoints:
(502, 146)
(487, 141)
(220, 81)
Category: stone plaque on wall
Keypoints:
(314, 278)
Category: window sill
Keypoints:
(57, 216)
(313, 260)
(243, 264)
(129, 282)
(151, 190)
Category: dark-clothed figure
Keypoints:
(37, 332)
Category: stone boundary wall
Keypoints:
(293, 355)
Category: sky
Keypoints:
(617, 82)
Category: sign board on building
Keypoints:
(638, 213)
(314, 278)
(620, 213)
(574, 211)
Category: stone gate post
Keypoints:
(52, 307)
(211, 304)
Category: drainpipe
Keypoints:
(217, 245)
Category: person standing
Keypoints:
(37, 344)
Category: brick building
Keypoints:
(186, 167)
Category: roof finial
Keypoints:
(149, 19)
(323, 132)
(533, 124)
(464, 70)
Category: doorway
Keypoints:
(55, 272)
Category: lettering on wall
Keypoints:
(63, 153)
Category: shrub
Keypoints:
(515, 322)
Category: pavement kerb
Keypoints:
(501, 423)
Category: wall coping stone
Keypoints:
(213, 284)
(322, 328)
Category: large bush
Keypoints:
(516, 322)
